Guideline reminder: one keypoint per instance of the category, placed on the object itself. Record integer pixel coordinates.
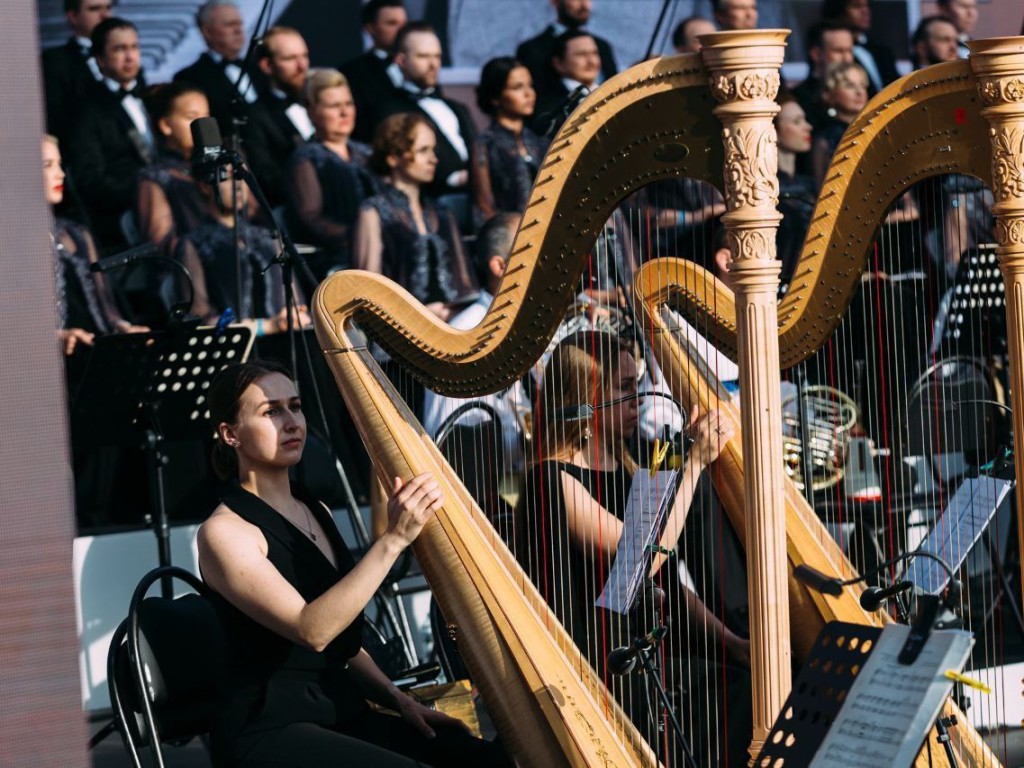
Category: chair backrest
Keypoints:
(177, 656)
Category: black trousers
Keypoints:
(375, 740)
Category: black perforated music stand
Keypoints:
(146, 388)
(818, 694)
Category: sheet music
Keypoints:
(891, 706)
(649, 500)
(958, 528)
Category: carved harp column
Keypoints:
(998, 65)
(743, 71)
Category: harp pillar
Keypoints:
(743, 70)
(998, 65)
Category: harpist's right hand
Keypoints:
(411, 505)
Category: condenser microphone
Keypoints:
(207, 149)
(818, 581)
(622, 660)
(871, 599)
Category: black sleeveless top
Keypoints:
(271, 682)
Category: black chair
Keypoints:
(165, 667)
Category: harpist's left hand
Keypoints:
(423, 718)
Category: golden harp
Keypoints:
(654, 121)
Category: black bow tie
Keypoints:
(228, 62)
(424, 93)
(125, 92)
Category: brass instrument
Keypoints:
(653, 121)
(821, 417)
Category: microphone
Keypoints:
(123, 259)
(871, 599)
(818, 581)
(622, 660)
(207, 149)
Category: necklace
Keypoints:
(309, 525)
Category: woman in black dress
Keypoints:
(404, 235)
(571, 514)
(85, 303)
(209, 254)
(168, 202)
(507, 155)
(798, 193)
(327, 179)
(291, 598)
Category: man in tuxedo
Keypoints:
(69, 70)
(278, 121)
(113, 138)
(418, 56)
(536, 52)
(217, 70)
(576, 61)
(373, 75)
(828, 42)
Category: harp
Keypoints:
(653, 122)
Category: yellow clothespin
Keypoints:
(956, 677)
(660, 452)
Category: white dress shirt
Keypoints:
(134, 107)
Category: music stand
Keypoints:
(818, 694)
(147, 388)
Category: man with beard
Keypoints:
(935, 41)
(536, 52)
(278, 122)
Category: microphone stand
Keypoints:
(657, 27)
(239, 119)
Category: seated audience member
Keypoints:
(935, 40)
(735, 14)
(877, 60)
(373, 75)
(844, 94)
(493, 245)
(570, 512)
(418, 57)
(685, 37)
(402, 233)
(69, 70)
(219, 68)
(168, 202)
(327, 179)
(278, 122)
(113, 138)
(828, 43)
(507, 155)
(216, 260)
(85, 304)
(290, 598)
(577, 64)
(535, 53)
(798, 193)
(964, 15)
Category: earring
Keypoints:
(586, 434)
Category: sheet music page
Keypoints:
(892, 706)
(649, 500)
(954, 534)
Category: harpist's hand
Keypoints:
(411, 505)
(710, 434)
(424, 719)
